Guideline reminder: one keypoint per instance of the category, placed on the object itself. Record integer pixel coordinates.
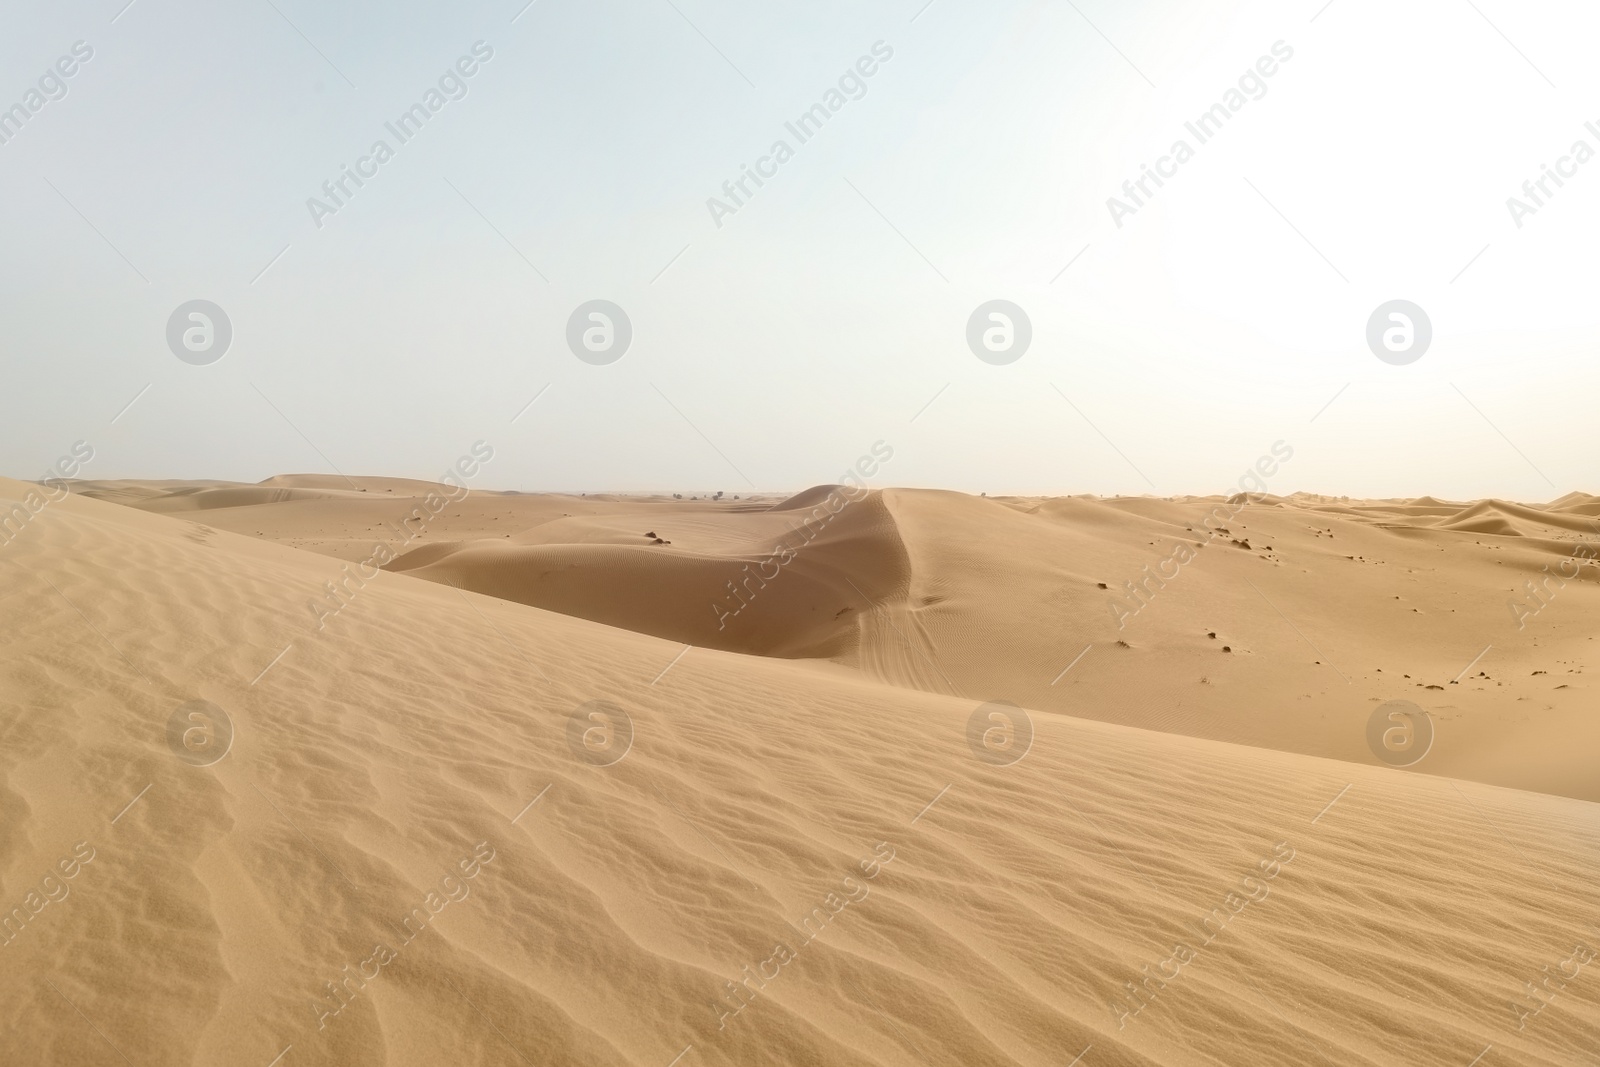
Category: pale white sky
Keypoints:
(825, 314)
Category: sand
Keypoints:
(803, 856)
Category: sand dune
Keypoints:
(1520, 519)
(896, 899)
(804, 581)
(1333, 609)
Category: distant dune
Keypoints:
(792, 581)
(802, 857)
(1334, 608)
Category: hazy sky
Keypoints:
(771, 351)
